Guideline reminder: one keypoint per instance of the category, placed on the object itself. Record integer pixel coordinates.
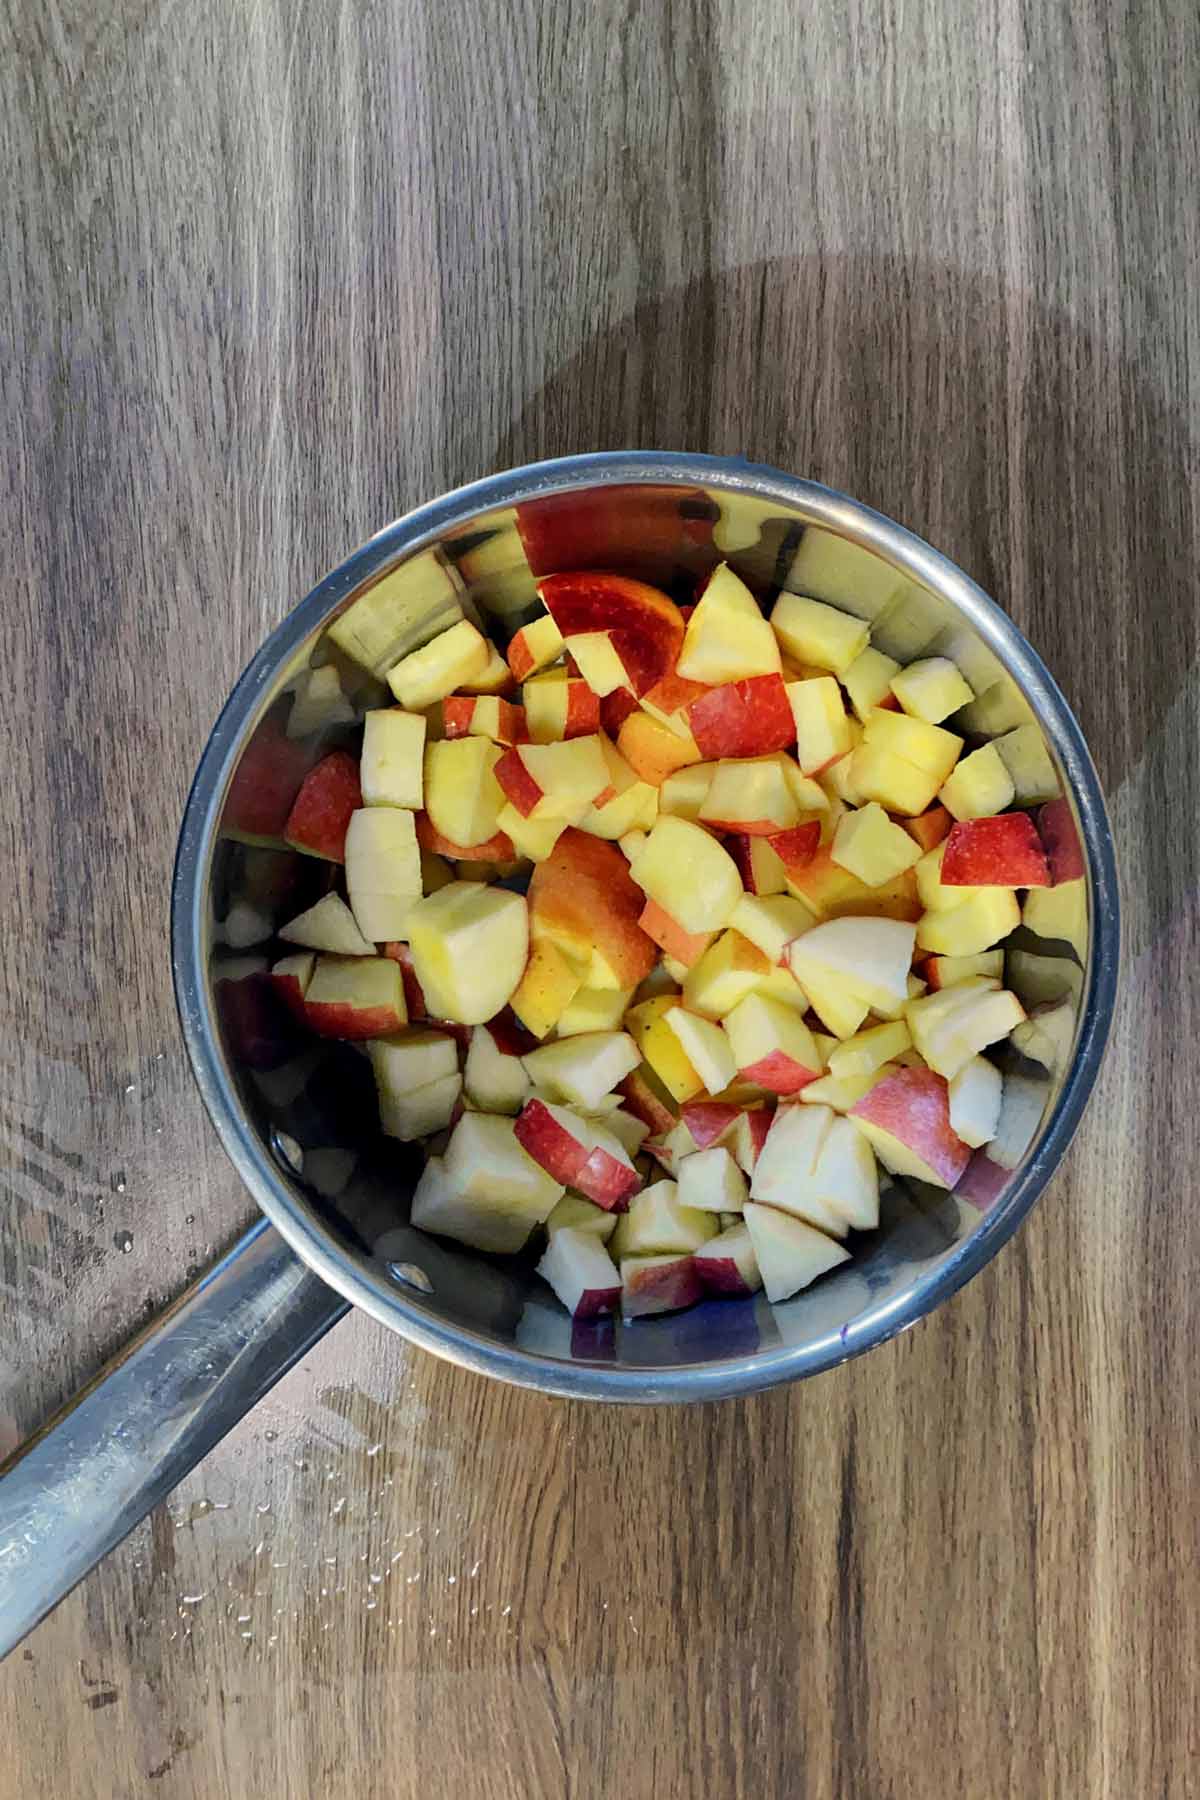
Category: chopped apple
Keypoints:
(658, 1222)
(595, 655)
(749, 1136)
(760, 866)
(796, 848)
(495, 849)
(469, 947)
(558, 706)
(508, 1191)
(949, 971)
(1028, 763)
(629, 1132)
(578, 1152)
(829, 891)
(873, 957)
(790, 1254)
(727, 1264)
(951, 1027)
(658, 1284)
(628, 803)
(355, 997)
(868, 681)
(931, 689)
(643, 623)
(743, 718)
(553, 781)
(771, 1045)
(462, 796)
(594, 1009)
(705, 1046)
(494, 678)
(979, 787)
(574, 1213)
(411, 1060)
(415, 1113)
(383, 870)
(653, 750)
(1047, 1036)
(930, 827)
(822, 728)
(631, 844)
(846, 1178)
(906, 1119)
(329, 796)
(1060, 838)
(482, 715)
(328, 926)
(643, 1095)
(669, 1150)
(496, 1081)
(1059, 912)
(393, 750)
(429, 674)
(583, 1069)
(870, 846)
(711, 1181)
(1004, 852)
(727, 638)
(838, 778)
(689, 874)
(841, 1093)
(877, 774)
(975, 1096)
(291, 976)
(534, 647)
(728, 970)
(581, 1272)
(922, 746)
(811, 632)
(550, 981)
(710, 1122)
(684, 791)
(984, 918)
(584, 898)
(682, 947)
(751, 797)
(669, 699)
(867, 1051)
(661, 1048)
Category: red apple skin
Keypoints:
(760, 1123)
(745, 827)
(797, 847)
(414, 993)
(709, 1121)
(914, 1106)
(321, 811)
(1060, 839)
(644, 623)
(641, 1100)
(498, 848)
(611, 1184)
(779, 1073)
(583, 711)
(510, 1036)
(676, 1284)
(615, 708)
(596, 1303)
(686, 947)
(459, 710)
(292, 995)
(1004, 851)
(266, 781)
(335, 1019)
(721, 1275)
(929, 827)
(983, 1181)
(541, 1136)
(584, 894)
(519, 660)
(743, 718)
(518, 784)
(675, 693)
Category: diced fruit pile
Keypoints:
(669, 929)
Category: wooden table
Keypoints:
(269, 276)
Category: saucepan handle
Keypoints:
(94, 1471)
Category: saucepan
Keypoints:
(297, 1119)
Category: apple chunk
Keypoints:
(582, 1069)
(1004, 851)
(658, 1284)
(727, 637)
(429, 674)
(814, 633)
(578, 1152)
(355, 997)
(581, 1272)
(743, 718)
(771, 1045)
(790, 1254)
(328, 926)
(329, 796)
(870, 956)
(711, 1181)
(751, 797)
(553, 781)
(496, 1082)
(706, 1047)
(584, 899)
(462, 796)
(487, 1193)
(383, 870)
(393, 750)
(534, 647)
(689, 874)
(975, 1096)
(657, 1222)
(644, 624)
(906, 1119)
(469, 945)
(727, 1264)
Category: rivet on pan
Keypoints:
(410, 1275)
(287, 1151)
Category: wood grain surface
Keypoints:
(269, 274)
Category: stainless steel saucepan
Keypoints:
(299, 1121)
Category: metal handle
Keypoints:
(94, 1471)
